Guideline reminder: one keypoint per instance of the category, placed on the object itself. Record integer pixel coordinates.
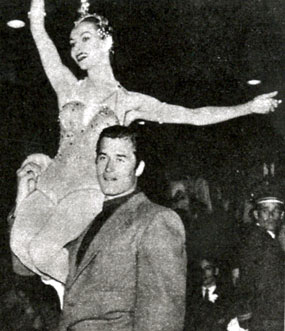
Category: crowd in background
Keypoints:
(232, 255)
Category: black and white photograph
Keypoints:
(142, 165)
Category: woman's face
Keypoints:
(86, 45)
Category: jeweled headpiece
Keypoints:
(103, 27)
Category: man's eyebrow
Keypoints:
(121, 155)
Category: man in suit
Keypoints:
(262, 264)
(210, 301)
(128, 269)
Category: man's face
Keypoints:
(209, 273)
(116, 166)
(269, 215)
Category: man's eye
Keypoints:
(85, 38)
(120, 160)
(208, 268)
(101, 157)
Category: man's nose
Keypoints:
(109, 166)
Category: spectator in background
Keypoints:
(262, 263)
(211, 300)
(180, 203)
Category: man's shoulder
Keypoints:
(156, 221)
(145, 211)
(257, 234)
(256, 243)
(148, 206)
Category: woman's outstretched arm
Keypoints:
(150, 109)
(57, 73)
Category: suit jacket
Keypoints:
(133, 275)
(262, 280)
(207, 315)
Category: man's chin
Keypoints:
(110, 191)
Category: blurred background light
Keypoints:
(254, 82)
(16, 24)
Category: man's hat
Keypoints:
(268, 191)
(269, 199)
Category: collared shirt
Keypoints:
(211, 290)
(109, 207)
(271, 233)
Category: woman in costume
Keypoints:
(58, 198)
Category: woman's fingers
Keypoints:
(29, 169)
(265, 103)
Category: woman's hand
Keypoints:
(29, 173)
(264, 103)
(27, 179)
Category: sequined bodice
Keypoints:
(92, 96)
(73, 167)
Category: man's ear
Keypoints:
(217, 270)
(140, 168)
(255, 214)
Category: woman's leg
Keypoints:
(69, 219)
(32, 214)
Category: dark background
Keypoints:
(187, 52)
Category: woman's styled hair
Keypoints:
(100, 23)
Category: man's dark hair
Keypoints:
(122, 132)
(209, 258)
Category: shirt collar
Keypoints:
(271, 233)
(116, 202)
(211, 289)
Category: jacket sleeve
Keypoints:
(249, 269)
(161, 280)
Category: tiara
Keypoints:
(84, 8)
(103, 24)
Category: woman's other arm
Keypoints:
(57, 73)
(150, 109)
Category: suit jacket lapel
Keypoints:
(111, 229)
(73, 248)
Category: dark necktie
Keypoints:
(206, 297)
(90, 234)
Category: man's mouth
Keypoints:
(109, 179)
(81, 56)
